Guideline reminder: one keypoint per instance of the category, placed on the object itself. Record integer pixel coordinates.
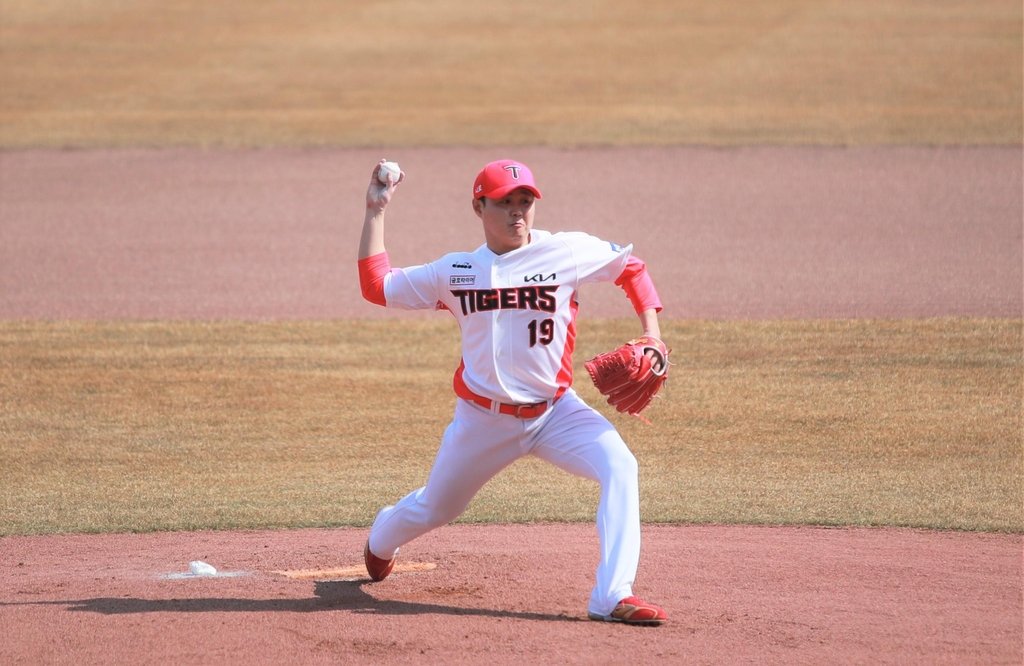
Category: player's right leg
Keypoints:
(476, 446)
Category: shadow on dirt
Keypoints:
(328, 595)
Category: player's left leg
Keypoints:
(581, 441)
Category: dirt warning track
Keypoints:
(737, 233)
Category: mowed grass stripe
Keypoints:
(112, 426)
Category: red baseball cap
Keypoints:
(499, 178)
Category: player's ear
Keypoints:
(478, 207)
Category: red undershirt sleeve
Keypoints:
(371, 277)
(638, 286)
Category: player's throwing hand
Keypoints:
(378, 194)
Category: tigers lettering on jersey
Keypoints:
(510, 298)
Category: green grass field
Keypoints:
(163, 426)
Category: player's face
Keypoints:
(507, 221)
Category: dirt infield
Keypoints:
(513, 595)
(740, 233)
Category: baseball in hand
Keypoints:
(392, 167)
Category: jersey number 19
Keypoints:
(546, 330)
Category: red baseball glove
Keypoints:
(627, 376)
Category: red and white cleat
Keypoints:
(633, 611)
(376, 567)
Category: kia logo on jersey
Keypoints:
(539, 277)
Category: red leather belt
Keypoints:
(531, 411)
(523, 411)
(518, 411)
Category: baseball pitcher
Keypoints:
(515, 300)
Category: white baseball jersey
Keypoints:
(517, 310)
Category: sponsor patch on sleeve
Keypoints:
(461, 280)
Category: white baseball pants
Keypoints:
(571, 435)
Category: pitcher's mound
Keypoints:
(351, 573)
